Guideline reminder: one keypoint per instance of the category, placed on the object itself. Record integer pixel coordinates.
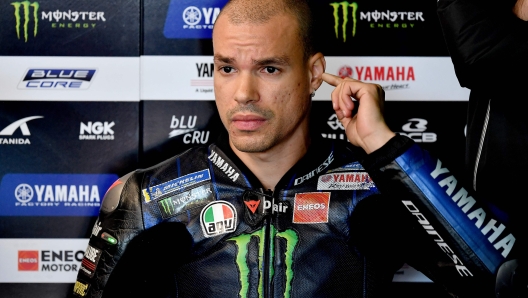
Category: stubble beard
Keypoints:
(256, 141)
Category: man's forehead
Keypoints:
(274, 41)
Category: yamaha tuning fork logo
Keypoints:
(192, 19)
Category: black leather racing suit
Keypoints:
(200, 225)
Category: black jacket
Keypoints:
(338, 224)
(488, 45)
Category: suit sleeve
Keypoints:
(457, 241)
(486, 41)
(119, 221)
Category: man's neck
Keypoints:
(271, 165)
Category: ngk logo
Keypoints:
(96, 131)
(415, 130)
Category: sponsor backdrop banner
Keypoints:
(92, 90)
(402, 78)
(343, 28)
(69, 28)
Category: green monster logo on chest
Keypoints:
(242, 243)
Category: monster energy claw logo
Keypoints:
(242, 242)
(344, 7)
(26, 10)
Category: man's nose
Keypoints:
(247, 89)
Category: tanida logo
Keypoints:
(10, 130)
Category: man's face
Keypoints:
(261, 82)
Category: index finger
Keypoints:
(331, 79)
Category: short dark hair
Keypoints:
(259, 11)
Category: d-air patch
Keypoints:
(345, 181)
(155, 192)
(90, 260)
(80, 288)
(185, 200)
(217, 218)
(311, 207)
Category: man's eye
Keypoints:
(227, 69)
(270, 69)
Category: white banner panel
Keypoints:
(403, 78)
(41, 260)
(177, 77)
(69, 78)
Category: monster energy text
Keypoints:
(25, 16)
(242, 243)
(73, 19)
(392, 19)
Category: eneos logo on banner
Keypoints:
(28, 260)
(53, 194)
(41, 260)
(192, 19)
(57, 79)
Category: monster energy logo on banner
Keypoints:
(242, 242)
(25, 7)
(344, 7)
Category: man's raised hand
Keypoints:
(359, 107)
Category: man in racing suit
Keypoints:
(272, 211)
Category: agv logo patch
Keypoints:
(217, 218)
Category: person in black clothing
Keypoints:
(270, 210)
(488, 44)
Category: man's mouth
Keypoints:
(248, 122)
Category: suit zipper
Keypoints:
(481, 144)
(267, 246)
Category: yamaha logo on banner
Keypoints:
(53, 194)
(192, 19)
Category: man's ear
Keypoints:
(317, 66)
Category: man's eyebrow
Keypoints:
(219, 58)
(282, 60)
